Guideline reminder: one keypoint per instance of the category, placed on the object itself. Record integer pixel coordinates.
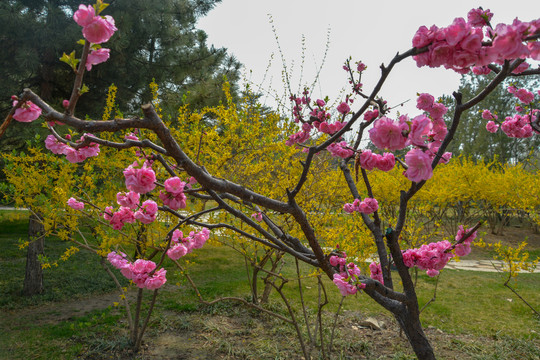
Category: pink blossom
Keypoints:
(177, 251)
(343, 285)
(424, 36)
(419, 165)
(174, 185)
(524, 96)
(386, 162)
(174, 202)
(370, 115)
(534, 49)
(456, 32)
(487, 115)
(517, 126)
(123, 216)
(479, 17)
(157, 280)
(74, 204)
(147, 212)
(424, 101)
(197, 240)
(257, 216)
(97, 57)
(99, 30)
(420, 128)
(481, 70)
(492, 127)
(437, 111)
(129, 200)
(320, 103)
(343, 108)
(340, 150)
(368, 160)
(65, 104)
(72, 155)
(55, 146)
(360, 66)
(298, 138)
(140, 180)
(367, 206)
(507, 44)
(85, 15)
(376, 272)
(521, 68)
(27, 112)
(107, 215)
(388, 134)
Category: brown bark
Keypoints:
(33, 278)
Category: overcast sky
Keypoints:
(371, 31)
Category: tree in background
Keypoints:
(156, 40)
(477, 143)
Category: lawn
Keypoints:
(473, 316)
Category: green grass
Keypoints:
(77, 277)
(467, 303)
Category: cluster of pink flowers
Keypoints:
(347, 280)
(185, 245)
(366, 206)
(389, 134)
(524, 95)
(460, 45)
(118, 219)
(257, 216)
(140, 180)
(517, 126)
(130, 210)
(299, 137)
(343, 108)
(74, 204)
(129, 200)
(370, 161)
(371, 114)
(147, 212)
(139, 271)
(424, 133)
(340, 149)
(434, 256)
(464, 248)
(329, 129)
(96, 29)
(72, 155)
(27, 112)
(173, 196)
(376, 272)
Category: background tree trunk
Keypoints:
(33, 278)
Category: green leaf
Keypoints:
(100, 6)
(70, 60)
(83, 89)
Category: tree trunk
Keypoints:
(33, 278)
(415, 334)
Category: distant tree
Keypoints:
(157, 40)
(475, 141)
